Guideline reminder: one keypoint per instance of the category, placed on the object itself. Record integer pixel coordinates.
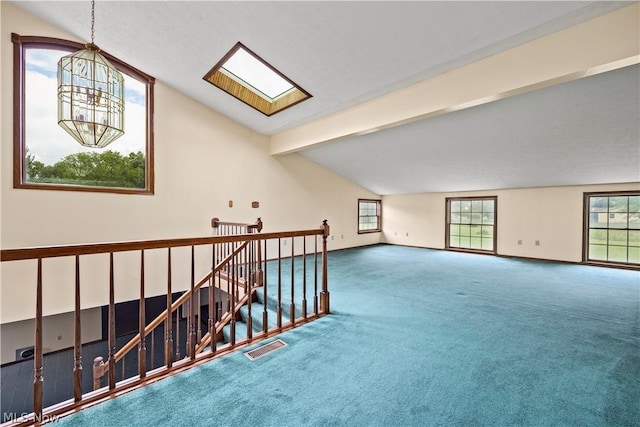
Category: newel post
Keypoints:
(324, 294)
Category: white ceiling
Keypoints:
(345, 53)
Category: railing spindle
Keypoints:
(38, 378)
(212, 302)
(112, 327)
(265, 314)
(279, 307)
(178, 334)
(142, 348)
(249, 293)
(304, 277)
(292, 306)
(315, 276)
(168, 323)
(198, 314)
(77, 340)
(191, 352)
(232, 326)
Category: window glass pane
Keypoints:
(465, 206)
(487, 232)
(476, 205)
(488, 218)
(598, 252)
(454, 241)
(476, 243)
(618, 237)
(54, 157)
(476, 218)
(617, 254)
(488, 206)
(487, 244)
(634, 220)
(634, 238)
(598, 237)
(634, 203)
(465, 230)
(465, 218)
(454, 229)
(598, 204)
(618, 204)
(598, 219)
(455, 206)
(618, 220)
(465, 241)
(634, 255)
(455, 218)
(254, 72)
(476, 230)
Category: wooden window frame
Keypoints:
(20, 44)
(586, 228)
(378, 203)
(494, 250)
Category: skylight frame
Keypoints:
(235, 86)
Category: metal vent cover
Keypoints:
(257, 353)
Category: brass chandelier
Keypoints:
(90, 96)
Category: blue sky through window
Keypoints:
(45, 139)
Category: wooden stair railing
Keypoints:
(244, 289)
(100, 368)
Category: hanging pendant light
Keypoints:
(90, 96)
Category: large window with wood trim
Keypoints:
(369, 216)
(612, 228)
(48, 158)
(471, 224)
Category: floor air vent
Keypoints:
(257, 353)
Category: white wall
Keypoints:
(202, 160)
(551, 215)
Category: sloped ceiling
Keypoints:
(346, 53)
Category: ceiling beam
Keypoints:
(602, 44)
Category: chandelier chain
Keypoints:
(93, 6)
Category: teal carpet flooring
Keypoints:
(420, 337)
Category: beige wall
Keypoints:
(202, 160)
(551, 215)
(57, 332)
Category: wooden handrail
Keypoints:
(104, 248)
(216, 223)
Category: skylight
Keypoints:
(244, 75)
(255, 73)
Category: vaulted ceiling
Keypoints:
(573, 128)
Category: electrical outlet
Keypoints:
(519, 241)
(537, 242)
(395, 234)
(332, 237)
(407, 234)
(59, 337)
(342, 236)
